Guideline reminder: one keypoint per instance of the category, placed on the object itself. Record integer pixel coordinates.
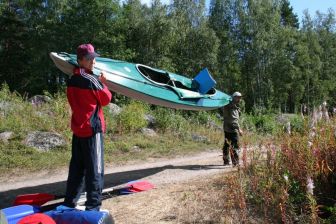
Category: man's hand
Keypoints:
(102, 77)
(240, 132)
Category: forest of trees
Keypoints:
(258, 47)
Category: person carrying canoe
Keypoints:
(86, 95)
(232, 130)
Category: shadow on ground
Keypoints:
(111, 180)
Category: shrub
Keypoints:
(168, 119)
(132, 117)
(200, 118)
(297, 124)
(7, 96)
(261, 123)
(247, 122)
(266, 124)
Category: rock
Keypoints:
(150, 120)
(199, 138)
(44, 141)
(148, 132)
(40, 113)
(4, 105)
(39, 100)
(114, 109)
(44, 113)
(213, 125)
(5, 136)
(136, 148)
(287, 127)
(219, 116)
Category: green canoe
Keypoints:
(151, 85)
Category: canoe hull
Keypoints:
(124, 78)
(153, 100)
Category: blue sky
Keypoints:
(312, 6)
(298, 6)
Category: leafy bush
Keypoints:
(247, 122)
(266, 124)
(261, 123)
(168, 119)
(297, 124)
(7, 96)
(132, 117)
(200, 118)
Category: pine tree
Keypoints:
(288, 17)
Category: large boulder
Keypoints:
(44, 141)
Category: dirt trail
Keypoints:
(168, 175)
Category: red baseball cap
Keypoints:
(87, 51)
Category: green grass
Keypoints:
(123, 140)
(14, 155)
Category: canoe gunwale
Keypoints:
(66, 62)
(172, 87)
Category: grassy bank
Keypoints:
(286, 178)
(123, 139)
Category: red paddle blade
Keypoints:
(33, 199)
(140, 186)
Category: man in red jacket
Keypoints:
(86, 95)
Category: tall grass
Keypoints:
(285, 178)
(293, 178)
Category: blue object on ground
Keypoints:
(15, 213)
(66, 215)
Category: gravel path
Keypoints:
(161, 172)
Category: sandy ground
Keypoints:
(171, 178)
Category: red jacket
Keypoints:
(86, 96)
